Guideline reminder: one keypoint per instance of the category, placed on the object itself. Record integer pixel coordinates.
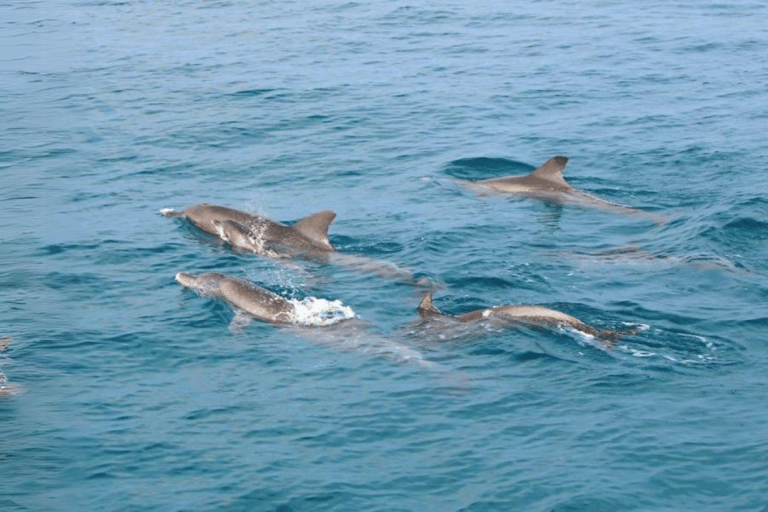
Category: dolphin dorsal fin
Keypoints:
(427, 307)
(315, 227)
(552, 170)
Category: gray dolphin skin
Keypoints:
(524, 314)
(308, 236)
(547, 183)
(254, 300)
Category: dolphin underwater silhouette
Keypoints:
(524, 314)
(547, 183)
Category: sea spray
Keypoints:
(312, 311)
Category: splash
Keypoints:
(320, 312)
(9, 388)
(256, 237)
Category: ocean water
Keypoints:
(126, 392)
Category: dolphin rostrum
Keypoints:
(524, 314)
(547, 183)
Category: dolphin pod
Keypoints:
(308, 238)
(547, 183)
(525, 314)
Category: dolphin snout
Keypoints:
(185, 279)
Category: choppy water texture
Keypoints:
(141, 395)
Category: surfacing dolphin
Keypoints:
(306, 238)
(547, 183)
(7, 388)
(258, 302)
(525, 314)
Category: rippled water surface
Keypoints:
(125, 391)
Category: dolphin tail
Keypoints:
(427, 308)
(315, 227)
(552, 170)
(609, 338)
(4, 342)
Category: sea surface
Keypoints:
(124, 391)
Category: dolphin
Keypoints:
(258, 302)
(306, 238)
(526, 314)
(261, 235)
(7, 388)
(547, 183)
(634, 254)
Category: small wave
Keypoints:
(320, 312)
(680, 356)
(640, 353)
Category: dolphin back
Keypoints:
(548, 176)
(257, 301)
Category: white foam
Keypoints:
(641, 353)
(320, 312)
(256, 233)
(167, 211)
(9, 388)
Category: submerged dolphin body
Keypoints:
(547, 183)
(250, 298)
(525, 314)
(307, 237)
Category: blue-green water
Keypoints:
(139, 395)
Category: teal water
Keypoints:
(140, 395)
